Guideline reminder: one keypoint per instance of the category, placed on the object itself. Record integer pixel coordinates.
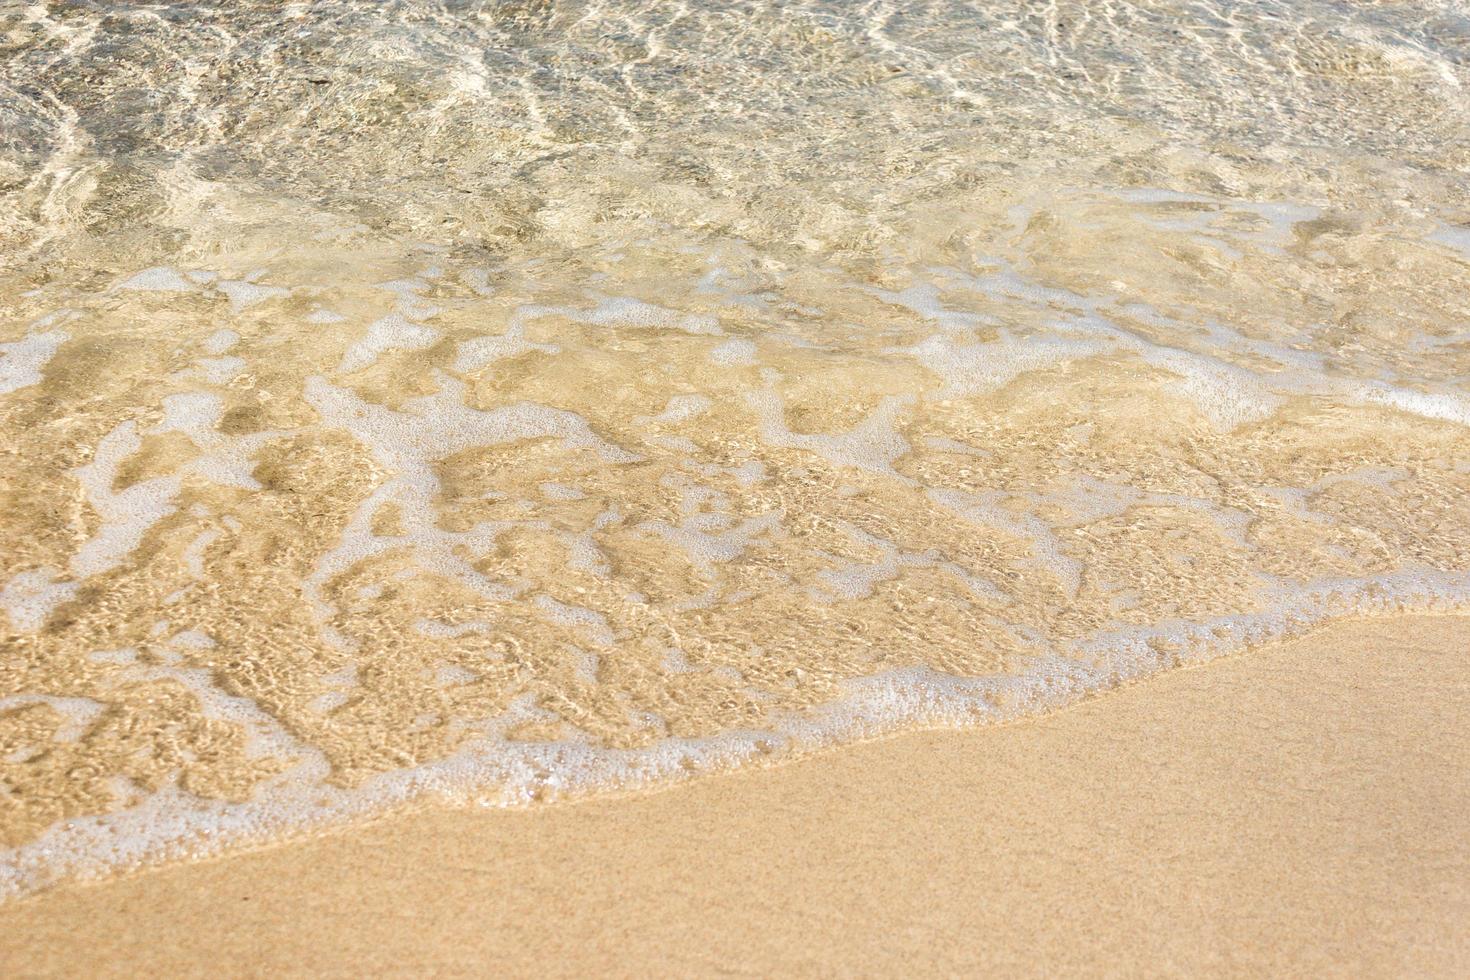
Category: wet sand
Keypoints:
(1299, 810)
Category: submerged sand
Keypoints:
(505, 401)
(1296, 811)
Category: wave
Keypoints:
(492, 403)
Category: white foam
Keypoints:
(856, 580)
(159, 279)
(923, 299)
(991, 330)
(624, 311)
(750, 472)
(850, 580)
(227, 461)
(449, 631)
(450, 675)
(406, 444)
(734, 352)
(478, 280)
(127, 515)
(873, 444)
(1227, 395)
(560, 491)
(1279, 217)
(1047, 551)
(437, 425)
(120, 658)
(220, 341)
(265, 736)
(220, 370)
(78, 714)
(193, 413)
(976, 368)
(1454, 237)
(583, 554)
(497, 772)
(21, 360)
(410, 304)
(193, 640)
(592, 623)
(326, 703)
(712, 539)
(30, 596)
(1446, 406)
(242, 293)
(479, 352)
(678, 444)
(680, 408)
(392, 332)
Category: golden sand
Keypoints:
(494, 402)
(1298, 811)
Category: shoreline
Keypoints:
(1293, 808)
(880, 707)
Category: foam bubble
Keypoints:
(873, 444)
(220, 341)
(21, 360)
(592, 623)
(975, 368)
(126, 515)
(681, 408)
(220, 370)
(159, 279)
(79, 714)
(734, 352)
(410, 303)
(712, 539)
(478, 352)
(30, 596)
(194, 413)
(624, 311)
(392, 332)
(243, 293)
(560, 491)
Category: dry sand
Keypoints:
(1301, 810)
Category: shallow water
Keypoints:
(499, 401)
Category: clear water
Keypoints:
(489, 402)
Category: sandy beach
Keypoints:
(744, 488)
(1296, 811)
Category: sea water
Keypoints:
(491, 402)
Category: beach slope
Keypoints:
(1296, 811)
